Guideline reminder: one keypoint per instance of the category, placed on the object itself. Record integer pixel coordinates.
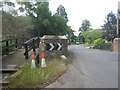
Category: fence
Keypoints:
(9, 44)
(33, 43)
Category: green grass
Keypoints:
(68, 60)
(36, 78)
(4, 44)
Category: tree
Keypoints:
(8, 25)
(12, 24)
(24, 26)
(40, 14)
(44, 23)
(109, 28)
(70, 35)
(58, 25)
(85, 25)
(61, 12)
(15, 26)
(9, 7)
(91, 35)
(81, 38)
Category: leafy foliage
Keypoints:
(44, 23)
(99, 42)
(109, 28)
(70, 35)
(37, 21)
(90, 35)
(85, 25)
(24, 24)
(7, 26)
(61, 12)
(8, 7)
(15, 26)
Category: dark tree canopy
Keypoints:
(109, 28)
(44, 23)
(61, 12)
(36, 20)
(70, 35)
(85, 25)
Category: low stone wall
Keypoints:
(106, 46)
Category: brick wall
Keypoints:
(53, 53)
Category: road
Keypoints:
(89, 69)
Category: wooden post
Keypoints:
(38, 41)
(26, 51)
(33, 45)
(7, 44)
(16, 43)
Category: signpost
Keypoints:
(59, 46)
(53, 46)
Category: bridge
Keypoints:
(14, 52)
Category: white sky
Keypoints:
(78, 10)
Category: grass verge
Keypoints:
(68, 60)
(38, 78)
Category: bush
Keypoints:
(99, 42)
(89, 41)
(91, 35)
(86, 44)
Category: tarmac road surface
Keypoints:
(89, 69)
